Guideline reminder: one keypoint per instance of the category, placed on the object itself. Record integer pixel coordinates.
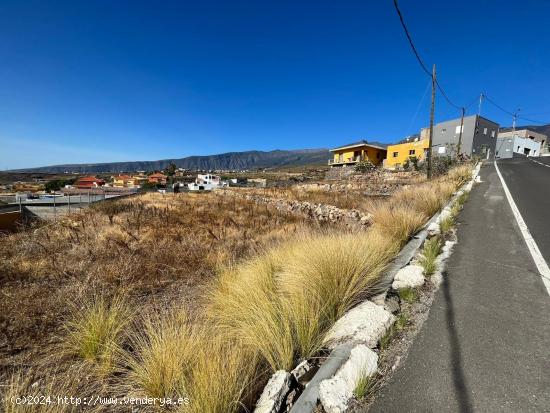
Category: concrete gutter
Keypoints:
(308, 400)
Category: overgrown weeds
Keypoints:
(428, 257)
(94, 333)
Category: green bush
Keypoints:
(364, 166)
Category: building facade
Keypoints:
(508, 145)
(528, 134)
(479, 137)
(356, 152)
(400, 153)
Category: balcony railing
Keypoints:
(347, 160)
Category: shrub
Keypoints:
(94, 333)
(408, 294)
(428, 258)
(364, 166)
(163, 355)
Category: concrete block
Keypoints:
(274, 393)
(410, 276)
(366, 324)
(335, 393)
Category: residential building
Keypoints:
(123, 181)
(88, 182)
(158, 178)
(528, 134)
(411, 147)
(507, 145)
(479, 137)
(356, 152)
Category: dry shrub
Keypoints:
(163, 355)
(244, 304)
(223, 377)
(95, 331)
(281, 304)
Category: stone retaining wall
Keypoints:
(319, 212)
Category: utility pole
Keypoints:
(479, 106)
(460, 134)
(432, 110)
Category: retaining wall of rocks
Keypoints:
(319, 212)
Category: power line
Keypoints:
(420, 61)
(510, 113)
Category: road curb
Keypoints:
(307, 401)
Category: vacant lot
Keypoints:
(194, 295)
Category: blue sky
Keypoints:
(112, 81)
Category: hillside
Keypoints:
(225, 161)
(544, 129)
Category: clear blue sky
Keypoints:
(106, 81)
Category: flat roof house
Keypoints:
(356, 152)
(528, 134)
(479, 137)
(507, 145)
(412, 147)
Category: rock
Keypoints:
(379, 299)
(334, 395)
(392, 304)
(367, 323)
(274, 393)
(410, 276)
(301, 369)
(336, 392)
(433, 229)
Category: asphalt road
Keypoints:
(528, 179)
(485, 346)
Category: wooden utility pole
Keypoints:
(460, 134)
(429, 169)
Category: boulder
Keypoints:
(336, 392)
(274, 393)
(410, 276)
(367, 324)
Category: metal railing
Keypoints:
(347, 160)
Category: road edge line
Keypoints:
(540, 262)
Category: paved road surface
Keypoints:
(485, 346)
(528, 179)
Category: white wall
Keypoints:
(521, 144)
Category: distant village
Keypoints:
(468, 137)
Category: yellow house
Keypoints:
(400, 153)
(356, 152)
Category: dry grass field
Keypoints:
(194, 295)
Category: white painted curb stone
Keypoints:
(274, 393)
(410, 276)
(336, 392)
(367, 323)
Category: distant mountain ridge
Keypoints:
(544, 129)
(224, 161)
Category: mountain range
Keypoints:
(224, 161)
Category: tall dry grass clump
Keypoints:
(245, 305)
(95, 331)
(163, 354)
(281, 304)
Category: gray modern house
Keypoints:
(527, 134)
(479, 137)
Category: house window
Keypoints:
(411, 152)
(485, 131)
(492, 134)
(377, 155)
(457, 129)
(395, 154)
(443, 130)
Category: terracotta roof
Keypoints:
(123, 177)
(157, 175)
(89, 179)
